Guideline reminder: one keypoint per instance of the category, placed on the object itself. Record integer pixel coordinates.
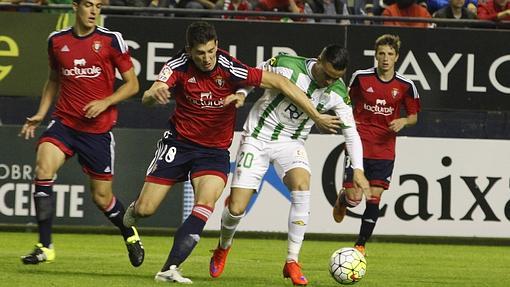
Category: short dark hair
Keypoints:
(200, 33)
(388, 40)
(336, 55)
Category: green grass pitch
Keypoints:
(101, 260)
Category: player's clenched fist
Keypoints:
(157, 95)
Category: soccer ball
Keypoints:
(347, 265)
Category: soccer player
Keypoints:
(82, 61)
(378, 94)
(203, 80)
(275, 132)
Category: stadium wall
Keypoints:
(440, 187)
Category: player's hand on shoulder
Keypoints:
(328, 123)
(95, 108)
(28, 129)
(237, 99)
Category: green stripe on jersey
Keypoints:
(277, 131)
(298, 131)
(266, 113)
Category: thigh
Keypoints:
(239, 199)
(49, 159)
(252, 162)
(150, 197)
(101, 192)
(288, 156)
(96, 153)
(208, 189)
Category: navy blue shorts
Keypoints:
(377, 171)
(177, 159)
(95, 151)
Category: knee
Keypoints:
(102, 199)
(353, 198)
(43, 171)
(144, 209)
(236, 209)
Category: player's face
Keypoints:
(87, 12)
(204, 55)
(386, 58)
(325, 74)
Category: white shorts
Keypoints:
(254, 156)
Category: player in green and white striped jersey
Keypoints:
(275, 132)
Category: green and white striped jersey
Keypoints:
(275, 118)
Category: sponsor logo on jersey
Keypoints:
(64, 49)
(192, 80)
(96, 46)
(165, 74)
(370, 90)
(206, 101)
(81, 71)
(379, 108)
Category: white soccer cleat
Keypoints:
(129, 219)
(172, 275)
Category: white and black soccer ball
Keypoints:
(347, 265)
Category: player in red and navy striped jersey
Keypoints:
(203, 80)
(378, 95)
(82, 61)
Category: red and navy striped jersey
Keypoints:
(200, 115)
(86, 68)
(376, 104)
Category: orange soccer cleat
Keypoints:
(340, 209)
(218, 260)
(292, 270)
(361, 249)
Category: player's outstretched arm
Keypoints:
(158, 93)
(272, 80)
(49, 92)
(129, 88)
